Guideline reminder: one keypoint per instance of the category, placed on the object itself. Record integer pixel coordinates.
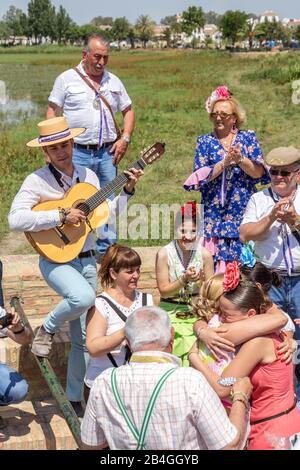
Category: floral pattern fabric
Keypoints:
(223, 222)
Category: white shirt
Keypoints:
(41, 186)
(270, 250)
(187, 414)
(114, 323)
(3, 331)
(71, 93)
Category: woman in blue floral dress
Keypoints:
(228, 164)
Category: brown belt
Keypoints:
(285, 412)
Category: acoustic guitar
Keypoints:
(64, 243)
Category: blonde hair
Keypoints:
(207, 304)
(237, 110)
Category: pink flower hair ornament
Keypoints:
(220, 93)
(232, 276)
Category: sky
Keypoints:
(83, 12)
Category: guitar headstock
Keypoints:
(153, 153)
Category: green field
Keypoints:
(168, 89)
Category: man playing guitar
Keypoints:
(75, 280)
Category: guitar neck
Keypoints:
(101, 195)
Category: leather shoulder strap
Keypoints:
(118, 131)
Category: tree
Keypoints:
(5, 32)
(192, 19)
(131, 36)
(16, 22)
(63, 24)
(144, 27)
(99, 20)
(232, 24)
(120, 29)
(86, 29)
(41, 19)
(211, 17)
(296, 34)
(169, 20)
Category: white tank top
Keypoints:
(97, 365)
(175, 262)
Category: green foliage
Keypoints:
(120, 29)
(212, 17)
(192, 18)
(279, 70)
(168, 89)
(100, 20)
(63, 26)
(232, 24)
(144, 27)
(16, 21)
(41, 19)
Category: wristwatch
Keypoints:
(126, 138)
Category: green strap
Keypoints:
(139, 436)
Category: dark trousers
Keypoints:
(1, 290)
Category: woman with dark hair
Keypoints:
(273, 405)
(181, 266)
(228, 164)
(105, 338)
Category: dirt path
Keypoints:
(15, 243)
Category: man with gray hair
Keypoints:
(90, 96)
(153, 403)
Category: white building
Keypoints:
(270, 16)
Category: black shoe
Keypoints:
(78, 408)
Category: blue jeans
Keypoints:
(13, 388)
(287, 297)
(76, 282)
(101, 162)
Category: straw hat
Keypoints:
(283, 156)
(53, 131)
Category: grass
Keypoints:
(168, 89)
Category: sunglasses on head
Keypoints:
(277, 172)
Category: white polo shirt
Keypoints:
(270, 250)
(71, 93)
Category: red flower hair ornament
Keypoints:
(189, 209)
(232, 276)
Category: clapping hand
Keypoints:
(235, 154)
(284, 211)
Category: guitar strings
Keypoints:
(92, 202)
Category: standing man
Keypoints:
(89, 96)
(272, 221)
(74, 281)
(154, 403)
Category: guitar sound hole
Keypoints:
(83, 206)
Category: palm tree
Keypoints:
(145, 27)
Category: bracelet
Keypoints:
(235, 394)
(241, 401)
(222, 164)
(128, 192)
(19, 332)
(62, 216)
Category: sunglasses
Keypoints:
(221, 115)
(275, 172)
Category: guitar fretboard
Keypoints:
(100, 196)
